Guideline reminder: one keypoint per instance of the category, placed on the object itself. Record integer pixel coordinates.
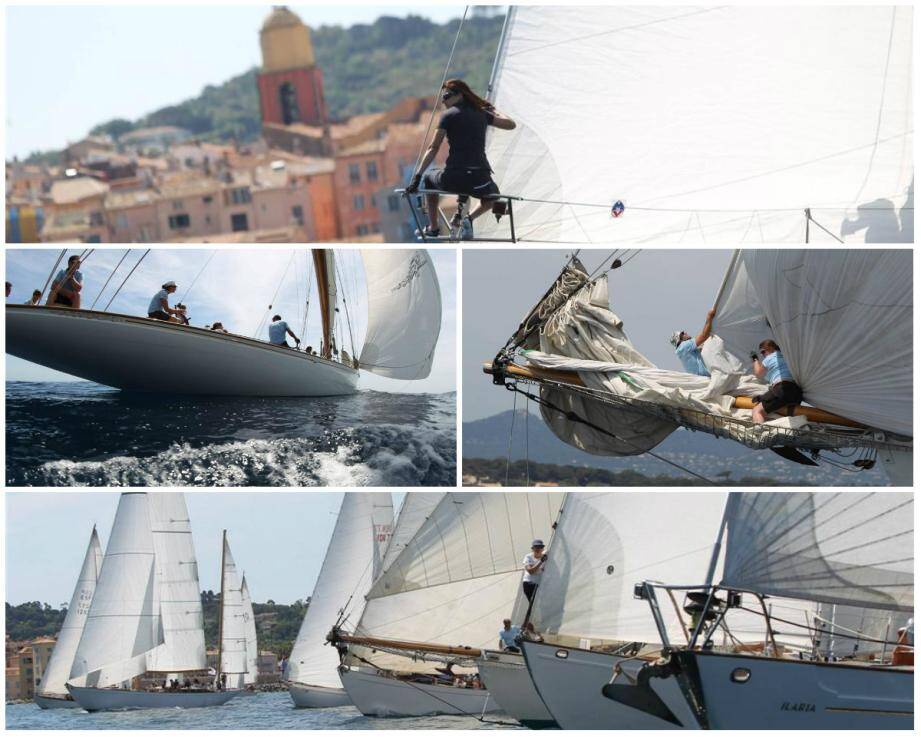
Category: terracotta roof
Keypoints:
(69, 191)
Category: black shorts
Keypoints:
(530, 588)
(474, 182)
(780, 395)
(60, 299)
(158, 315)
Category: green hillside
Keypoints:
(366, 68)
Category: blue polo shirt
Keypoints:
(777, 369)
(277, 331)
(689, 355)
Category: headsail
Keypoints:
(854, 549)
(233, 626)
(459, 576)
(62, 657)
(124, 622)
(252, 642)
(709, 123)
(404, 313)
(183, 648)
(355, 549)
(415, 510)
(843, 319)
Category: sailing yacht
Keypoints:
(52, 691)
(145, 625)
(353, 556)
(841, 549)
(825, 308)
(236, 641)
(144, 355)
(453, 582)
(796, 126)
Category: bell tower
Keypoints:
(290, 83)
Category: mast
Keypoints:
(321, 269)
(220, 615)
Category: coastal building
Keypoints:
(25, 665)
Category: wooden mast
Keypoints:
(220, 615)
(320, 268)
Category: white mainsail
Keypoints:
(178, 589)
(459, 575)
(709, 123)
(853, 548)
(62, 657)
(233, 626)
(252, 642)
(843, 319)
(404, 313)
(124, 622)
(415, 509)
(356, 547)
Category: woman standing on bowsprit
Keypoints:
(467, 171)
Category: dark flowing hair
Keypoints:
(472, 98)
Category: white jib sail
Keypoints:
(458, 577)
(177, 583)
(709, 123)
(123, 624)
(252, 641)
(404, 313)
(62, 657)
(355, 549)
(842, 318)
(415, 509)
(851, 548)
(233, 633)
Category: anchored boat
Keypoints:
(145, 625)
(52, 691)
(140, 354)
(454, 581)
(353, 558)
(826, 308)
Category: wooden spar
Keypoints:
(220, 617)
(812, 414)
(470, 652)
(322, 274)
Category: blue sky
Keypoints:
(235, 288)
(278, 539)
(69, 67)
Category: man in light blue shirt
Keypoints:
(688, 349)
(67, 285)
(278, 332)
(772, 367)
(508, 635)
(159, 308)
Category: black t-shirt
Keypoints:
(465, 127)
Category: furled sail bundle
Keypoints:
(404, 313)
(853, 549)
(124, 623)
(183, 649)
(843, 319)
(459, 575)
(62, 657)
(352, 561)
(233, 653)
(708, 123)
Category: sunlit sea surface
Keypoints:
(260, 711)
(84, 434)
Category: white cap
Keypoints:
(676, 338)
(169, 284)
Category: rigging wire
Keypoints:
(200, 271)
(268, 309)
(306, 305)
(511, 432)
(101, 291)
(51, 273)
(125, 280)
(345, 306)
(444, 78)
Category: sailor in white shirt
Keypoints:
(534, 563)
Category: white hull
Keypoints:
(143, 355)
(787, 694)
(55, 702)
(112, 699)
(317, 697)
(570, 688)
(380, 696)
(506, 677)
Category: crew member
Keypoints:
(67, 285)
(784, 390)
(688, 349)
(534, 563)
(159, 308)
(278, 331)
(467, 170)
(508, 635)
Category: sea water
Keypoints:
(259, 711)
(83, 434)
